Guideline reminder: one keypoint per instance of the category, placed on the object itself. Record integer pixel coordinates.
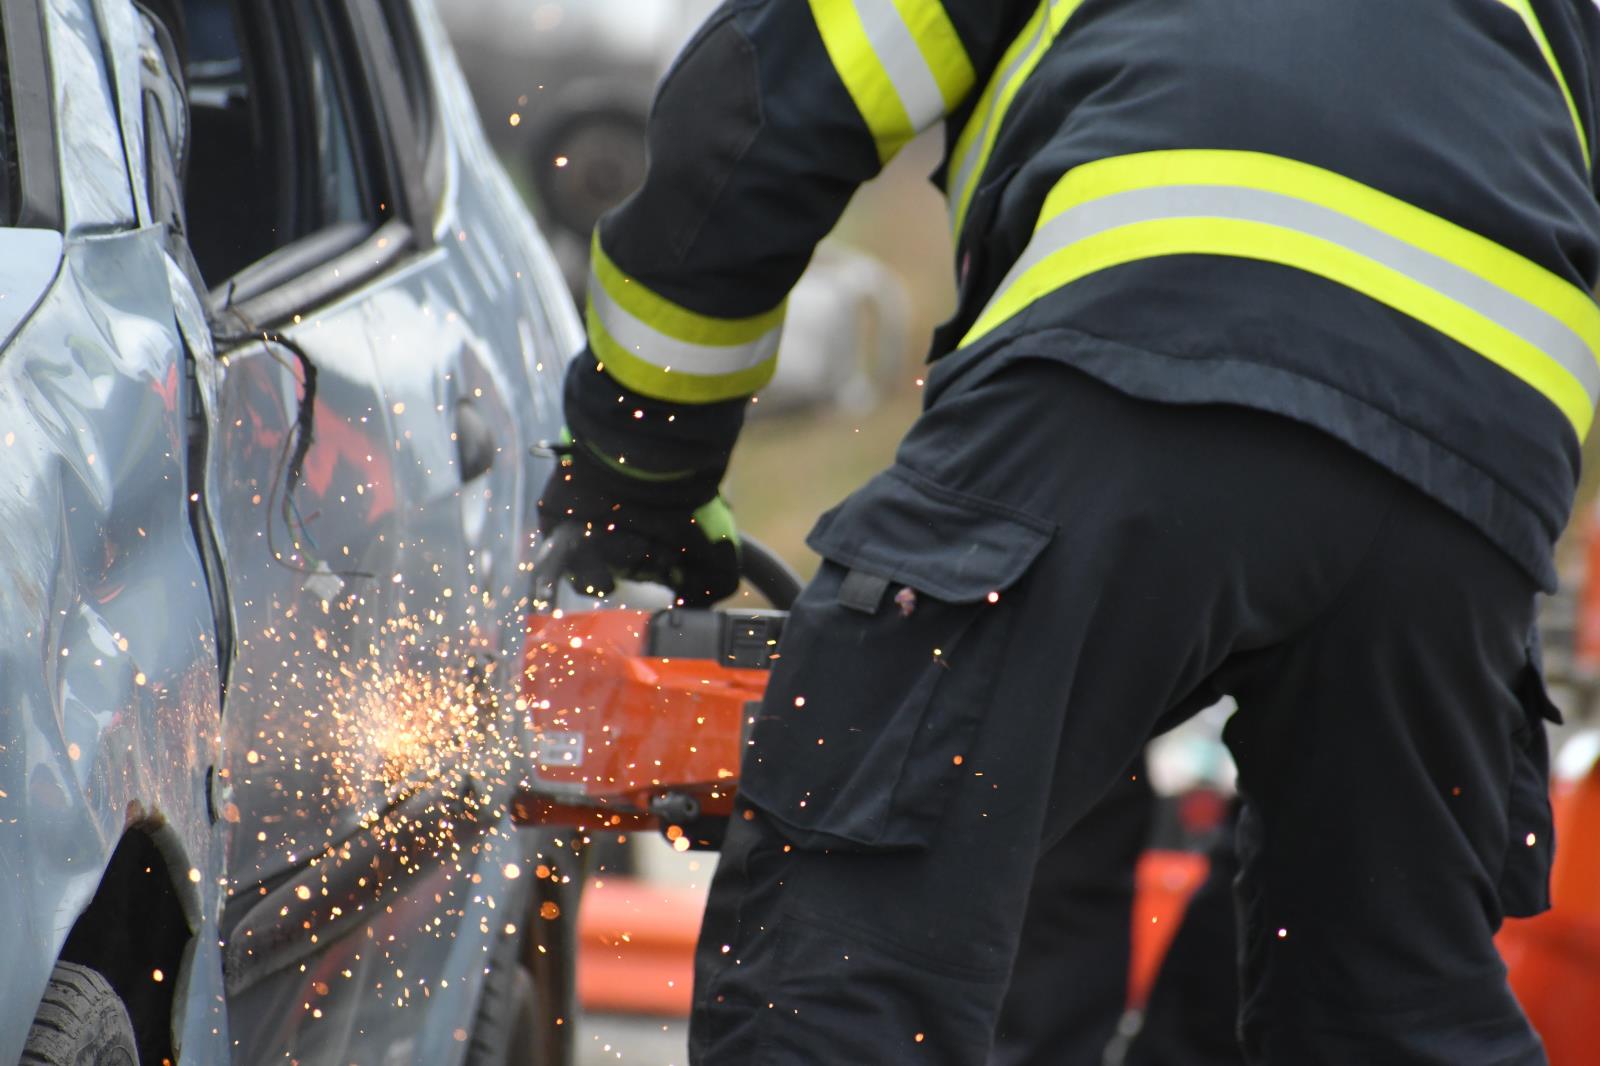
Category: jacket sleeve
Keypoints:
(767, 122)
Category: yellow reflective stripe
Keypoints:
(1508, 309)
(661, 349)
(667, 317)
(674, 384)
(864, 79)
(1252, 240)
(667, 383)
(1524, 9)
(901, 61)
(941, 49)
(1271, 173)
(975, 145)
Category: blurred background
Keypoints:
(564, 89)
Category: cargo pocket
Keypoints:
(886, 663)
(1525, 879)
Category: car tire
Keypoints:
(550, 953)
(81, 1022)
(604, 149)
(505, 1031)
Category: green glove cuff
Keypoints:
(715, 520)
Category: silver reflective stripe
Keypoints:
(995, 114)
(1528, 321)
(902, 62)
(670, 353)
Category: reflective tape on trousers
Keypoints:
(1548, 339)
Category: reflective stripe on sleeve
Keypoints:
(1525, 11)
(902, 62)
(1513, 312)
(660, 349)
(970, 157)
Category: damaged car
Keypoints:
(276, 339)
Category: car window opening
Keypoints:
(279, 151)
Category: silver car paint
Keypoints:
(480, 319)
(108, 669)
(97, 192)
(29, 259)
(109, 686)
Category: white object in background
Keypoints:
(1577, 756)
(846, 335)
(1192, 755)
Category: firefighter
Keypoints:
(1273, 353)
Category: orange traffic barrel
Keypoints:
(1554, 959)
(1165, 881)
(636, 946)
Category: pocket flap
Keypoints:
(906, 529)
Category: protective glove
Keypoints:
(673, 531)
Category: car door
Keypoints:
(294, 224)
(286, 215)
(367, 480)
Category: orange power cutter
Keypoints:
(640, 717)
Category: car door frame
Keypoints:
(33, 117)
(318, 268)
(276, 299)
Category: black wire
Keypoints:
(305, 417)
(302, 434)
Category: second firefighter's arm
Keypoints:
(768, 121)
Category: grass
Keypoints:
(787, 471)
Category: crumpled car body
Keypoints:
(275, 347)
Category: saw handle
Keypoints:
(758, 564)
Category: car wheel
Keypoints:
(508, 1011)
(81, 1022)
(588, 162)
(551, 955)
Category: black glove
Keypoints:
(673, 531)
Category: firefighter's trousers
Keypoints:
(1051, 571)
(1069, 983)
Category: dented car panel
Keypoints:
(108, 665)
(427, 547)
(109, 687)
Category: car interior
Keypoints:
(276, 113)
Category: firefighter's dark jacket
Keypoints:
(1374, 216)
